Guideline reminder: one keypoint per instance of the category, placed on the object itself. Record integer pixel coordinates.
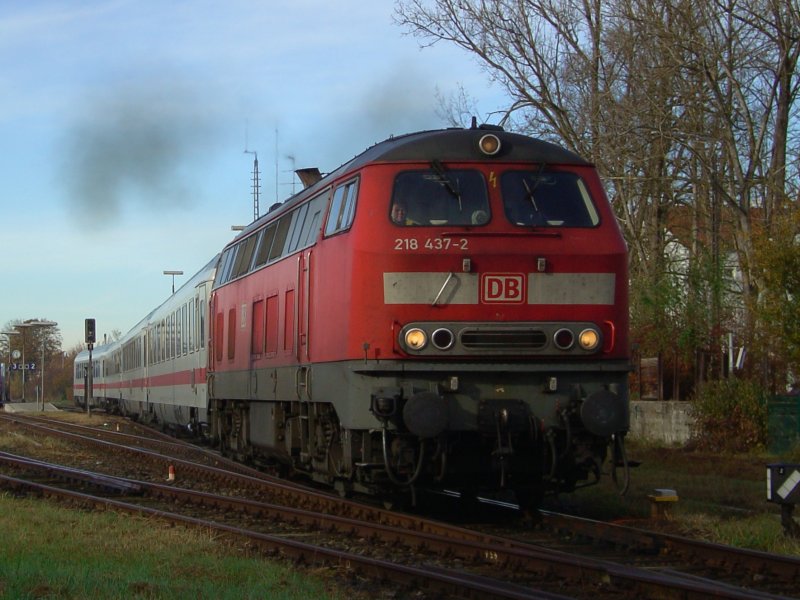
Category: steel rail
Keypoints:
(438, 579)
(762, 564)
(783, 568)
(585, 571)
(759, 564)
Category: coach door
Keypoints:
(148, 356)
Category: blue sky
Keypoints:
(123, 125)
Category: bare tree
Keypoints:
(744, 59)
(537, 52)
(686, 108)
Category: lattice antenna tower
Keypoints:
(256, 183)
(256, 175)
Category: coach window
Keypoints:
(176, 319)
(182, 328)
(342, 207)
(163, 340)
(202, 319)
(439, 196)
(547, 199)
(186, 330)
(313, 220)
(306, 223)
(192, 336)
(171, 336)
(237, 263)
(244, 257)
(298, 219)
(264, 247)
(281, 233)
(226, 264)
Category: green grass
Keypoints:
(47, 551)
(722, 498)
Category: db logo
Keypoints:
(502, 288)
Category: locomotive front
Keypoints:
(487, 318)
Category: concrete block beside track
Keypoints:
(18, 407)
(668, 422)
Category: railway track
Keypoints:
(509, 566)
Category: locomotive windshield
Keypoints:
(439, 197)
(547, 199)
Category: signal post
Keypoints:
(90, 336)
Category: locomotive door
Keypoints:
(303, 306)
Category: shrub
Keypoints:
(730, 415)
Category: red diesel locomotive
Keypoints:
(448, 310)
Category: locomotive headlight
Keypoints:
(589, 339)
(489, 144)
(564, 339)
(443, 339)
(416, 339)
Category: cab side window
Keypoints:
(343, 208)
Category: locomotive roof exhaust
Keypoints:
(485, 126)
(309, 176)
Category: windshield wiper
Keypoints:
(531, 197)
(536, 183)
(438, 168)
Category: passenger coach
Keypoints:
(157, 371)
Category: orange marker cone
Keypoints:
(171, 473)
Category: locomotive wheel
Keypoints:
(396, 502)
(529, 498)
(335, 457)
(342, 489)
